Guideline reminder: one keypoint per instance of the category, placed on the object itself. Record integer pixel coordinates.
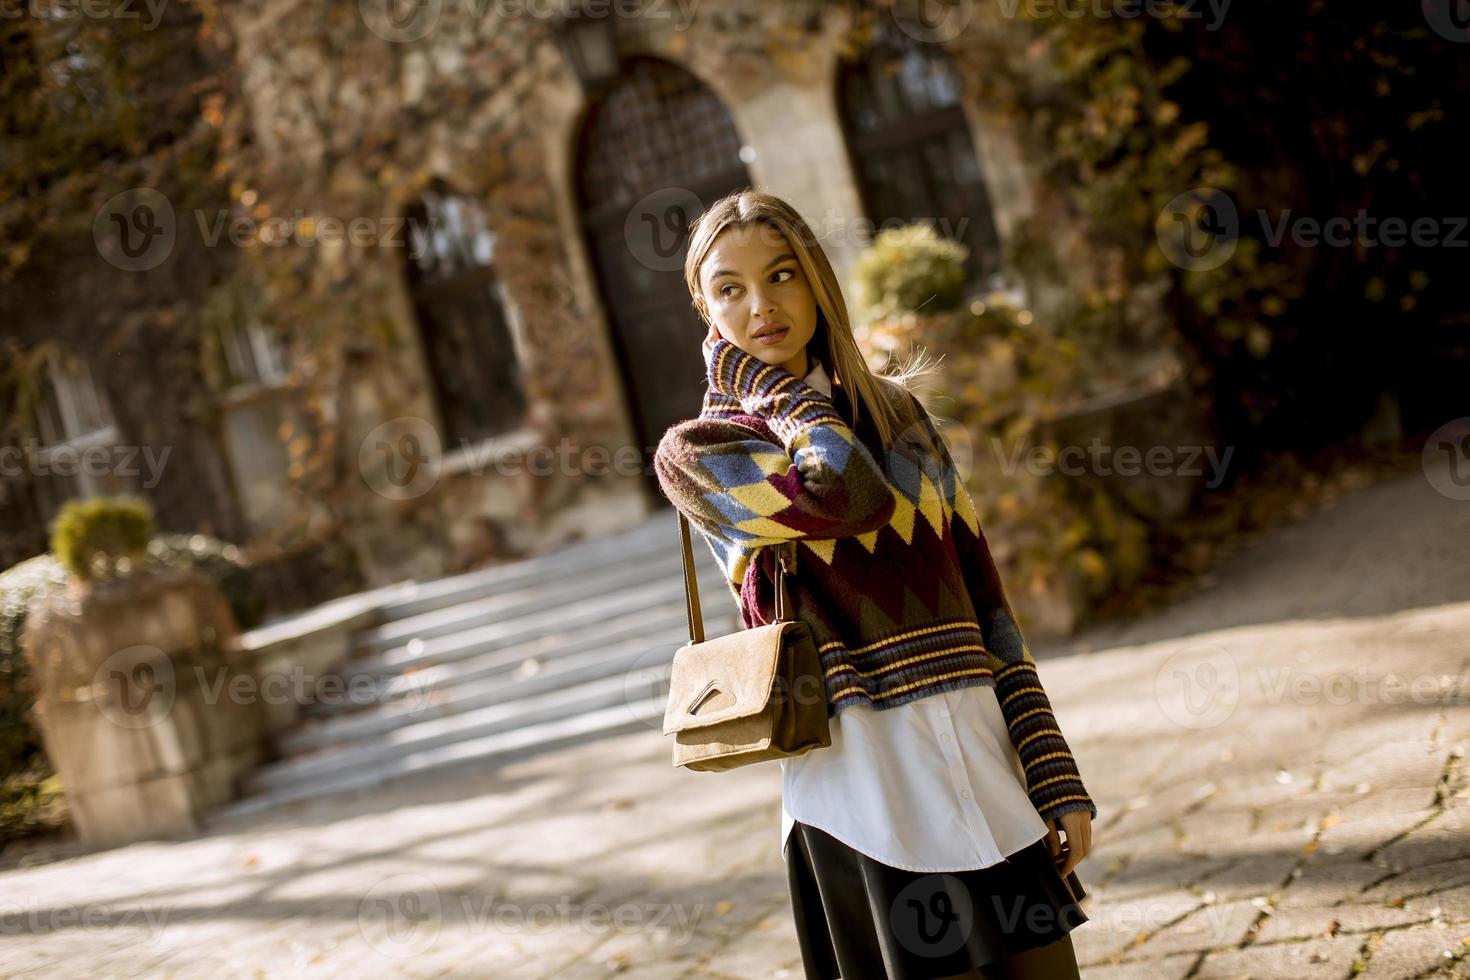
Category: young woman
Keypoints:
(925, 841)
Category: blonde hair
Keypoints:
(833, 344)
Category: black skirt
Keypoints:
(857, 918)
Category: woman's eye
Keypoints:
(724, 290)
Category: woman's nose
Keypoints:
(760, 304)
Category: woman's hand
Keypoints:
(1078, 825)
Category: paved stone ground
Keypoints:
(1279, 764)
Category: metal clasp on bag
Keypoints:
(692, 704)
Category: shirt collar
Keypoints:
(817, 378)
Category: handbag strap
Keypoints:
(691, 586)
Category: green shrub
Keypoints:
(219, 560)
(19, 587)
(102, 535)
(31, 801)
(906, 270)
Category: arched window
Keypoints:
(256, 409)
(911, 148)
(462, 309)
(72, 418)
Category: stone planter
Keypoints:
(143, 712)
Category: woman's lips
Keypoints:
(774, 337)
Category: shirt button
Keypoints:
(945, 736)
(965, 794)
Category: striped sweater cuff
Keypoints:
(717, 405)
(787, 402)
(1052, 779)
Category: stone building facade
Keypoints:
(510, 358)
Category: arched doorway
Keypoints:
(654, 151)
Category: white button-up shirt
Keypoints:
(931, 785)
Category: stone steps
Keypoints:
(519, 600)
(478, 670)
(654, 537)
(474, 755)
(628, 690)
(532, 624)
(458, 688)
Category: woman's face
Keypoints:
(757, 296)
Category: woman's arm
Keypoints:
(818, 481)
(1052, 779)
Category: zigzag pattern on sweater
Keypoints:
(892, 570)
(750, 485)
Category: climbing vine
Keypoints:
(1289, 344)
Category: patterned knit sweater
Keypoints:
(892, 572)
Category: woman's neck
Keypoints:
(800, 365)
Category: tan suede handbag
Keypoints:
(751, 696)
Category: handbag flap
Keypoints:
(727, 677)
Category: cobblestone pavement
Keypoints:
(1279, 764)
